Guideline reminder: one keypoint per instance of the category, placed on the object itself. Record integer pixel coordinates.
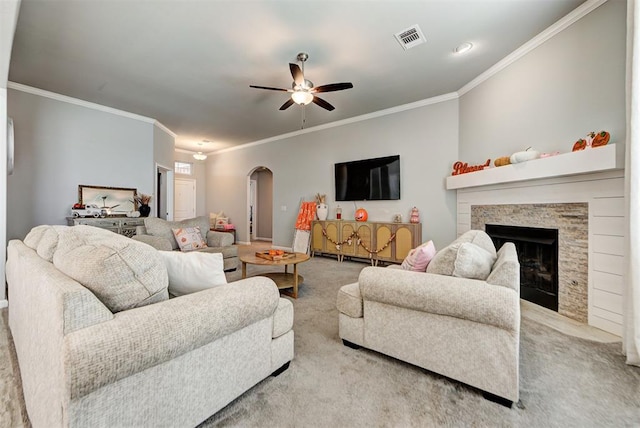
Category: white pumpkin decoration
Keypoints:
(524, 156)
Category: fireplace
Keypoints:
(538, 256)
(571, 221)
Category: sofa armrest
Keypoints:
(144, 337)
(219, 239)
(157, 242)
(468, 299)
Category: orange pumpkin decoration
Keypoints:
(505, 160)
(600, 139)
(581, 144)
(361, 214)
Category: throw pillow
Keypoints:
(192, 272)
(221, 222)
(189, 238)
(479, 238)
(159, 227)
(213, 217)
(418, 259)
(462, 259)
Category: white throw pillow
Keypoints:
(193, 271)
(462, 259)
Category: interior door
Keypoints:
(185, 198)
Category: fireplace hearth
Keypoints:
(538, 256)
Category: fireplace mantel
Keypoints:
(605, 158)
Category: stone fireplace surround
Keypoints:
(571, 220)
(592, 253)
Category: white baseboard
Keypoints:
(263, 239)
(4, 304)
(243, 243)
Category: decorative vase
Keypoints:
(144, 210)
(322, 210)
(415, 215)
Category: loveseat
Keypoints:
(467, 329)
(99, 344)
(158, 233)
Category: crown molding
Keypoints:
(565, 22)
(164, 128)
(380, 113)
(78, 102)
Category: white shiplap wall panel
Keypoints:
(608, 263)
(608, 207)
(607, 282)
(608, 226)
(608, 244)
(608, 301)
(604, 192)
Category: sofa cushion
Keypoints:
(464, 260)
(159, 227)
(418, 259)
(121, 272)
(350, 300)
(230, 251)
(189, 238)
(479, 238)
(192, 272)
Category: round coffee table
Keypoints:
(284, 279)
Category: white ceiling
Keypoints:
(189, 64)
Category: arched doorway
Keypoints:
(260, 204)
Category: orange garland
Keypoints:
(359, 242)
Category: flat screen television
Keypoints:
(368, 179)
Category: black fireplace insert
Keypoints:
(538, 256)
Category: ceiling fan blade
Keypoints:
(286, 105)
(270, 88)
(296, 73)
(322, 103)
(332, 87)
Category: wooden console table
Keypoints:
(121, 225)
(375, 241)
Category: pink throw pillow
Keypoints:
(418, 259)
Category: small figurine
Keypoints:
(397, 218)
(415, 215)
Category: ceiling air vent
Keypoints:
(410, 37)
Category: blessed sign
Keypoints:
(463, 167)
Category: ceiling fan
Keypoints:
(302, 90)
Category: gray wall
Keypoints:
(426, 139)
(572, 84)
(199, 168)
(59, 146)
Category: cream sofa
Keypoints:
(99, 344)
(465, 329)
(158, 233)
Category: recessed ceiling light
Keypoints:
(462, 48)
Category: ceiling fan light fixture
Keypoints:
(302, 97)
(199, 156)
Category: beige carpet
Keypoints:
(565, 381)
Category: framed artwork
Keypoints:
(118, 200)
